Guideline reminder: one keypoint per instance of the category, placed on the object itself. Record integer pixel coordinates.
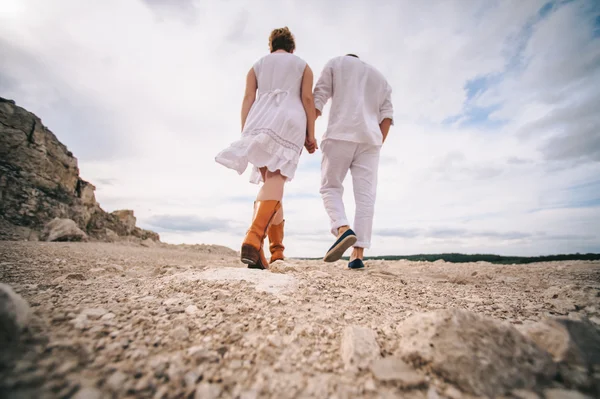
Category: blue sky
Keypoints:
(495, 148)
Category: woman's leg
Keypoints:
(274, 183)
(272, 189)
(278, 218)
(267, 206)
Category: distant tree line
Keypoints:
(498, 259)
(462, 258)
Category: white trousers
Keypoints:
(363, 162)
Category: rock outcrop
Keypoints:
(39, 182)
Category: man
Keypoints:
(360, 118)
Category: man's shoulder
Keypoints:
(377, 74)
(374, 70)
(335, 60)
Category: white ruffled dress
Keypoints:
(275, 128)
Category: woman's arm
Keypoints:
(309, 107)
(249, 95)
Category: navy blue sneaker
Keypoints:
(356, 264)
(336, 251)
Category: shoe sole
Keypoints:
(252, 264)
(336, 253)
(356, 268)
(247, 258)
(256, 266)
(249, 255)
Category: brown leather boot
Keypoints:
(276, 247)
(252, 247)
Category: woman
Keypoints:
(276, 123)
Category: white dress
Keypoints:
(275, 128)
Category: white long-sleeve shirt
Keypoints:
(361, 100)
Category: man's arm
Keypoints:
(384, 126)
(323, 88)
(386, 114)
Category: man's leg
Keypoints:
(337, 158)
(364, 170)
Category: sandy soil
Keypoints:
(113, 320)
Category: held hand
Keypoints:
(310, 144)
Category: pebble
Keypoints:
(117, 268)
(116, 381)
(94, 313)
(564, 394)
(432, 393)
(180, 333)
(161, 392)
(524, 394)
(80, 322)
(191, 378)
(108, 316)
(202, 355)
(453, 393)
(172, 301)
(142, 384)
(370, 385)
(66, 367)
(88, 393)
(206, 390)
(97, 270)
(191, 309)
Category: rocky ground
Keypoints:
(121, 320)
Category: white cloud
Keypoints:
(145, 93)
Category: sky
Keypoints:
(495, 147)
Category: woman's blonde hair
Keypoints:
(282, 39)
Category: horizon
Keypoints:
(495, 147)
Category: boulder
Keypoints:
(574, 346)
(63, 230)
(478, 354)
(14, 314)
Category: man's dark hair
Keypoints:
(352, 55)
